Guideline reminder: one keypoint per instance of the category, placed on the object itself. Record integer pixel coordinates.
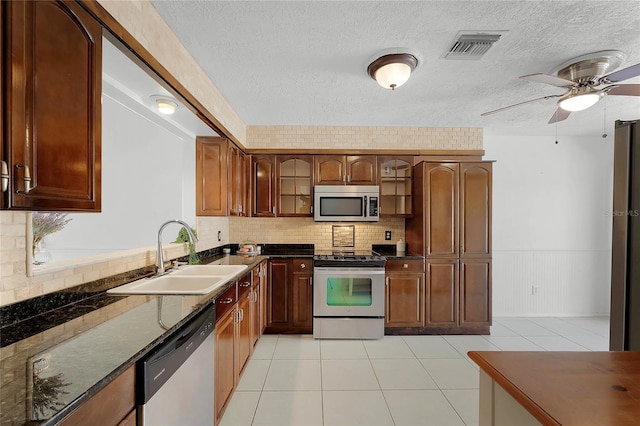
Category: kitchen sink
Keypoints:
(198, 279)
(209, 270)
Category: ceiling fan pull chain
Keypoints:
(556, 128)
(604, 123)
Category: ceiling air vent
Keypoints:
(471, 46)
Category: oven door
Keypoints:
(348, 292)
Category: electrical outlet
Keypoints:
(219, 235)
(387, 235)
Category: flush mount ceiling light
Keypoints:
(165, 104)
(579, 99)
(393, 70)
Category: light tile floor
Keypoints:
(398, 380)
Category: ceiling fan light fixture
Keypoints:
(579, 102)
(392, 71)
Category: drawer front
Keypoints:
(404, 265)
(226, 301)
(303, 265)
(244, 285)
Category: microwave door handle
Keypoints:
(365, 205)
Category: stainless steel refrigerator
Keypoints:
(625, 258)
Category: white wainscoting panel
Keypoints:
(551, 283)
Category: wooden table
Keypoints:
(559, 388)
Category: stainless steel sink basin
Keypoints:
(194, 279)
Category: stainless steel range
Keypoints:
(348, 295)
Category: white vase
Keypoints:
(41, 255)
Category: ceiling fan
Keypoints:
(586, 80)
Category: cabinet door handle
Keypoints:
(4, 175)
(310, 280)
(386, 281)
(26, 178)
(273, 209)
(302, 265)
(245, 284)
(226, 301)
(241, 312)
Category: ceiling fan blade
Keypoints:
(518, 104)
(548, 79)
(559, 115)
(623, 74)
(624, 90)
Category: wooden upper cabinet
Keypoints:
(263, 185)
(294, 182)
(221, 178)
(211, 176)
(346, 170)
(362, 170)
(441, 209)
(330, 169)
(395, 180)
(52, 69)
(475, 210)
(237, 181)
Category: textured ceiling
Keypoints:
(304, 62)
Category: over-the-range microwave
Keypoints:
(346, 203)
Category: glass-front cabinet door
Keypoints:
(395, 185)
(294, 185)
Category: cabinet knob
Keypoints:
(405, 266)
(302, 265)
(245, 284)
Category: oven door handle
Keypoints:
(347, 272)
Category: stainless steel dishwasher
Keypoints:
(176, 379)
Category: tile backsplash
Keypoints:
(364, 137)
(305, 230)
(16, 284)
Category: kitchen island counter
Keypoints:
(559, 388)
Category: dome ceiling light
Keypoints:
(393, 70)
(165, 104)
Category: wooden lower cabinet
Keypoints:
(278, 293)
(112, 405)
(442, 292)
(458, 295)
(254, 306)
(224, 361)
(233, 343)
(262, 274)
(404, 293)
(302, 292)
(475, 292)
(243, 326)
(290, 296)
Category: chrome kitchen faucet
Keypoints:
(159, 256)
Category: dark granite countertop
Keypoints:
(389, 251)
(82, 338)
(83, 345)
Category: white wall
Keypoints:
(551, 224)
(147, 178)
